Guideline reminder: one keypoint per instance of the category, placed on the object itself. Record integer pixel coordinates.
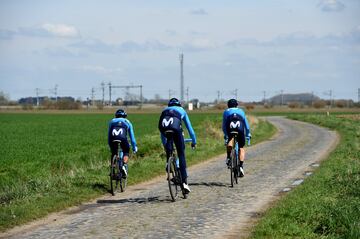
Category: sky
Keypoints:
(254, 48)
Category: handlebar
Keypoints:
(189, 140)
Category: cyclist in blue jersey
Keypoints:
(235, 119)
(171, 132)
(119, 127)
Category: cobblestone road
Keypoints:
(212, 210)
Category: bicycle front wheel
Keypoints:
(114, 180)
(172, 178)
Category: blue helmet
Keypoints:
(174, 102)
(232, 103)
(120, 113)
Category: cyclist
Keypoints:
(235, 119)
(171, 132)
(119, 127)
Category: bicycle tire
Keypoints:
(235, 168)
(172, 178)
(232, 168)
(113, 176)
(123, 183)
(184, 193)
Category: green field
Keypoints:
(327, 204)
(52, 161)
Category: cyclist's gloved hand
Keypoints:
(226, 140)
(248, 137)
(193, 145)
(135, 149)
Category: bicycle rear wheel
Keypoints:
(123, 182)
(232, 167)
(235, 168)
(114, 179)
(172, 178)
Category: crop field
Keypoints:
(52, 161)
(326, 205)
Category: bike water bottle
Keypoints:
(177, 163)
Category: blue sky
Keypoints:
(253, 46)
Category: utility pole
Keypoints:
(329, 93)
(37, 97)
(331, 103)
(55, 91)
(103, 92)
(218, 96)
(236, 93)
(109, 93)
(282, 97)
(92, 96)
(182, 77)
(264, 99)
(187, 94)
(141, 97)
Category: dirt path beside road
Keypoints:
(146, 210)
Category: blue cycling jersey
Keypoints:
(185, 118)
(241, 113)
(129, 126)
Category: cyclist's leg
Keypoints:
(228, 149)
(241, 142)
(126, 149)
(169, 146)
(180, 148)
(114, 149)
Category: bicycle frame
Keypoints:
(116, 175)
(174, 175)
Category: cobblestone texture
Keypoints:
(212, 210)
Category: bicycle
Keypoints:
(234, 159)
(174, 179)
(117, 177)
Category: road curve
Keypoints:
(213, 209)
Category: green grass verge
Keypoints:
(52, 161)
(327, 204)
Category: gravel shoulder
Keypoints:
(213, 209)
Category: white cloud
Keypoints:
(331, 6)
(60, 30)
(44, 30)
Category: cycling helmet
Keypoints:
(232, 103)
(120, 113)
(174, 102)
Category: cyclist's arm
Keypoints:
(224, 124)
(189, 128)
(109, 134)
(132, 136)
(163, 139)
(247, 126)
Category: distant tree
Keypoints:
(249, 106)
(294, 105)
(319, 104)
(4, 98)
(340, 103)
